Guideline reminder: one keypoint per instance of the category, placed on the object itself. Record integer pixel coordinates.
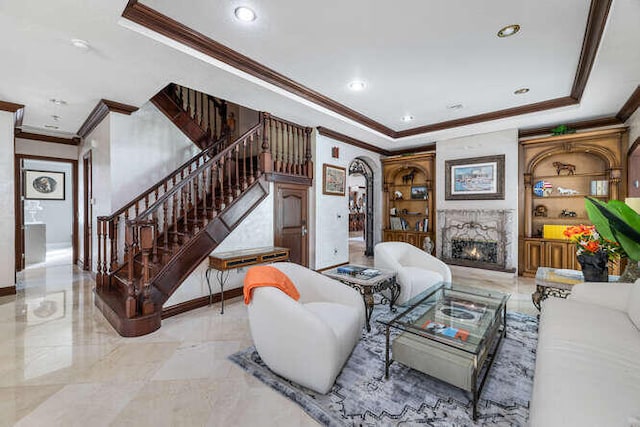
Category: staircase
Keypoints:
(149, 247)
(201, 117)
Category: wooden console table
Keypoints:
(224, 262)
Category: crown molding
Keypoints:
(99, 113)
(630, 106)
(596, 22)
(168, 27)
(351, 141)
(48, 138)
(581, 125)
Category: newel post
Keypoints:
(266, 164)
(147, 240)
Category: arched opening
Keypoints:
(361, 204)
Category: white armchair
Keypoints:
(416, 270)
(309, 340)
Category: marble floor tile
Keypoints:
(62, 364)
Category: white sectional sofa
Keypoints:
(588, 358)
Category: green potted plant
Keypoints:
(617, 222)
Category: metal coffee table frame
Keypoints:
(495, 335)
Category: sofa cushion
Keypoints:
(633, 308)
(587, 366)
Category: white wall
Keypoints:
(145, 147)
(56, 214)
(254, 232)
(46, 149)
(330, 214)
(7, 213)
(503, 142)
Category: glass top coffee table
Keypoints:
(450, 332)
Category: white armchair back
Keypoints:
(416, 270)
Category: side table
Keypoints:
(367, 286)
(223, 262)
(557, 282)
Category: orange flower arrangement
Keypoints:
(589, 241)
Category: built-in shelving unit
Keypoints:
(558, 172)
(408, 197)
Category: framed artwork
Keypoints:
(419, 192)
(333, 180)
(477, 178)
(43, 185)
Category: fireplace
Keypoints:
(477, 238)
(474, 250)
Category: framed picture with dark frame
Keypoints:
(333, 180)
(419, 192)
(43, 185)
(476, 178)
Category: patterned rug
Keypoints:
(362, 397)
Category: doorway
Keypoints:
(360, 185)
(46, 206)
(87, 201)
(291, 221)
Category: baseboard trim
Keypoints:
(199, 302)
(9, 290)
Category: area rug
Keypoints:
(362, 397)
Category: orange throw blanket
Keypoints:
(265, 275)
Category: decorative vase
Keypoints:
(594, 267)
(631, 272)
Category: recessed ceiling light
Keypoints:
(521, 91)
(245, 14)
(407, 118)
(455, 107)
(80, 44)
(509, 30)
(357, 85)
(58, 101)
(51, 127)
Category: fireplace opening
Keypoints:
(474, 250)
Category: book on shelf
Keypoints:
(395, 223)
(422, 225)
(600, 188)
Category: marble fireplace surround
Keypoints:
(482, 225)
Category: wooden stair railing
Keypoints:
(171, 228)
(209, 112)
(289, 149)
(149, 247)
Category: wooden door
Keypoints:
(291, 222)
(19, 213)
(88, 209)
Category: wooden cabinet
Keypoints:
(408, 211)
(557, 173)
